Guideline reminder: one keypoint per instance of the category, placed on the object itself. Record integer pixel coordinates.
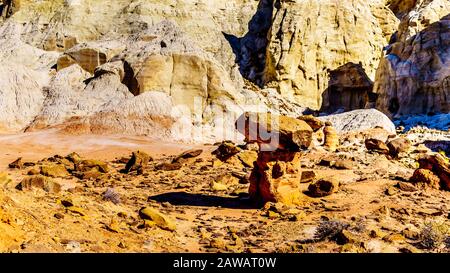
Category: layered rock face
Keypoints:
(308, 39)
(181, 69)
(102, 87)
(20, 95)
(414, 74)
(57, 24)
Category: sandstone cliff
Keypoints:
(414, 74)
(309, 39)
(167, 68)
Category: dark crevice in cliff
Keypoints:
(250, 50)
(349, 88)
(8, 8)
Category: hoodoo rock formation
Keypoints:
(276, 174)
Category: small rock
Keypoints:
(312, 121)
(93, 173)
(33, 172)
(391, 191)
(376, 145)
(73, 157)
(66, 203)
(308, 176)
(248, 158)
(228, 179)
(87, 165)
(323, 187)
(58, 216)
(407, 187)
(226, 150)
(169, 166)
(17, 164)
(158, 218)
(218, 243)
(345, 237)
(440, 166)
(218, 186)
(76, 210)
(41, 182)
(410, 234)
(399, 145)
(392, 238)
(188, 154)
(54, 170)
(376, 233)
(137, 162)
(344, 164)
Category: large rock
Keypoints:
(308, 39)
(360, 120)
(40, 182)
(414, 75)
(90, 55)
(439, 166)
(275, 132)
(21, 96)
(69, 96)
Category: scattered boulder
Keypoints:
(323, 187)
(41, 182)
(425, 178)
(137, 162)
(33, 172)
(87, 165)
(248, 158)
(226, 150)
(343, 164)
(54, 170)
(376, 145)
(93, 173)
(157, 218)
(313, 122)
(308, 177)
(169, 166)
(439, 166)
(74, 157)
(360, 120)
(188, 154)
(17, 164)
(408, 187)
(399, 145)
(275, 132)
(228, 179)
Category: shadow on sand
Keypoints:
(203, 200)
